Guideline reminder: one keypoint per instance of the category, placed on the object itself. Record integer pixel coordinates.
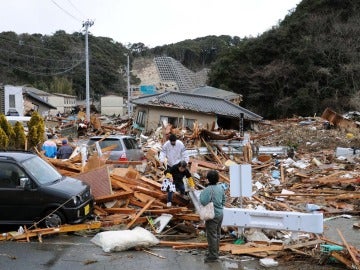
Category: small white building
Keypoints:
(111, 105)
(63, 102)
(13, 100)
(22, 100)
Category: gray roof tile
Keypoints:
(198, 103)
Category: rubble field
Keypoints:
(298, 164)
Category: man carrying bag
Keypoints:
(216, 194)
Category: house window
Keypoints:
(140, 119)
(12, 101)
(169, 120)
(188, 123)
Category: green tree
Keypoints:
(20, 137)
(8, 129)
(61, 85)
(4, 140)
(36, 127)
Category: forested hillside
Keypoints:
(308, 62)
(57, 63)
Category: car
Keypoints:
(33, 191)
(12, 112)
(126, 147)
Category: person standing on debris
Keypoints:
(215, 193)
(175, 176)
(174, 151)
(65, 150)
(50, 148)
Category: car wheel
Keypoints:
(54, 219)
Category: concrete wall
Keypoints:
(57, 102)
(19, 101)
(112, 105)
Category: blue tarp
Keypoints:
(147, 89)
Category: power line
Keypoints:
(55, 72)
(64, 70)
(76, 8)
(68, 13)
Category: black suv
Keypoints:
(31, 190)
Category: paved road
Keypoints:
(77, 252)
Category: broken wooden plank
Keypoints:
(342, 259)
(249, 250)
(352, 255)
(115, 196)
(118, 210)
(48, 231)
(140, 213)
(209, 165)
(191, 245)
(305, 244)
(178, 243)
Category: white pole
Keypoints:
(87, 24)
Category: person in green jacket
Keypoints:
(216, 194)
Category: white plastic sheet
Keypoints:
(123, 240)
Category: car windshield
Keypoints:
(130, 143)
(43, 172)
(108, 142)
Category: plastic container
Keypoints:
(346, 152)
(324, 248)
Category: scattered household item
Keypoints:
(161, 222)
(268, 262)
(347, 152)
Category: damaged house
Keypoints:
(20, 101)
(183, 109)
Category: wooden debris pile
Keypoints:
(307, 177)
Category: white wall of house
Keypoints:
(63, 103)
(14, 99)
(57, 102)
(112, 104)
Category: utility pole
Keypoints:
(128, 87)
(87, 24)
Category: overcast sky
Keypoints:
(152, 22)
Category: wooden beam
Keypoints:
(249, 250)
(115, 196)
(342, 259)
(48, 231)
(193, 245)
(305, 244)
(117, 210)
(353, 257)
(140, 213)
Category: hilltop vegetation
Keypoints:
(57, 63)
(308, 62)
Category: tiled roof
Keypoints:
(35, 91)
(39, 99)
(198, 103)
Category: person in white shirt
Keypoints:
(174, 151)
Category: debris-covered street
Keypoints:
(301, 165)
